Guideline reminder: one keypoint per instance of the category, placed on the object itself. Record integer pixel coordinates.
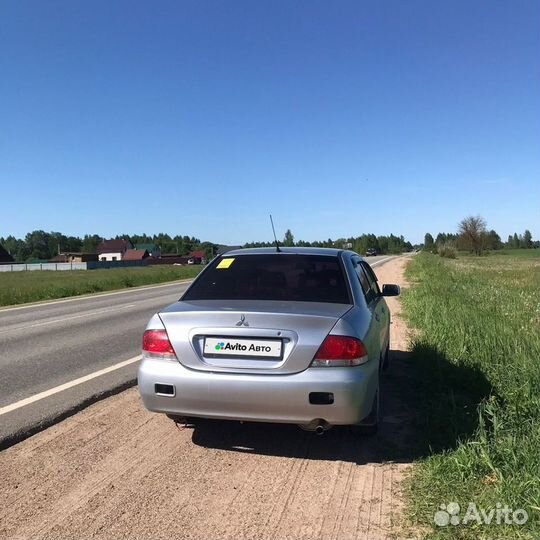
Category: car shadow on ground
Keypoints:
(428, 403)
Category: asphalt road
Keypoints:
(47, 345)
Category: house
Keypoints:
(153, 249)
(113, 250)
(74, 257)
(5, 257)
(197, 257)
(135, 255)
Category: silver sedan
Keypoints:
(295, 335)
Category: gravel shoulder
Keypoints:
(115, 470)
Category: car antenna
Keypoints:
(275, 237)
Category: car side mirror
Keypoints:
(391, 290)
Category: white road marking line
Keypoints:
(53, 321)
(94, 296)
(66, 386)
(381, 261)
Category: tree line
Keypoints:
(360, 244)
(44, 245)
(474, 236)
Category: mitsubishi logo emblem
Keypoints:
(242, 321)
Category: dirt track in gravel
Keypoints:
(115, 470)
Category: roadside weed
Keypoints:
(32, 286)
(476, 356)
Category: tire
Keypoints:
(386, 359)
(370, 424)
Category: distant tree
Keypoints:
(386, 245)
(527, 239)
(45, 245)
(60, 243)
(360, 244)
(493, 240)
(178, 242)
(168, 244)
(141, 239)
(209, 249)
(288, 241)
(259, 244)
(394, 244)
(16, 247)
(73, 243)
(383, 244)
(429, 244)
(90, 242)
(39, 245)
(473, 233)
(515, 241)
(446, 239)
(372, 242)
(189, 244)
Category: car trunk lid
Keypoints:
(247, 336)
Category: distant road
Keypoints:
(58, 355)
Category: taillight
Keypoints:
(156, 343)
(339, 351)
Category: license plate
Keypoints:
(249, 348)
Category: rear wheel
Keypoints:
(386, 359)
(370, 424)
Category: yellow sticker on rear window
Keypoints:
(225, 263)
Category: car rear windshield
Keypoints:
(280, 276)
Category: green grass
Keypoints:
(477, 362)
(521, 253)
(22, 287)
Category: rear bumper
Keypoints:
(260, 398)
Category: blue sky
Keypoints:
(201, 118)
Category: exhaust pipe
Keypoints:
(317, 426)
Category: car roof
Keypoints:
(331, 252)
